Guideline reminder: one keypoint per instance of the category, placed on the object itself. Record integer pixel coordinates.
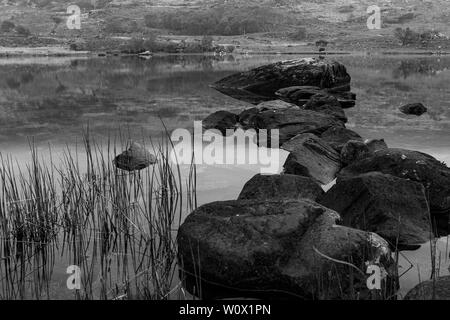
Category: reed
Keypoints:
(118, 227)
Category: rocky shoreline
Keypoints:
(284, 237)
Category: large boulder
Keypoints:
(312, 157)
(415, 166)
(135, 158)
(280, 186)
(392, 207)
(336, 137)
(279, 249)
(291, 122)
(260, 84)
(439, 289)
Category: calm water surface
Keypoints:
(53, 99)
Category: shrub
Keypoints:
(116, 25)
(218, 20)
(23, 31)
(85, 5)
(7, 26)
(207, 43)
(299, 34)
(410, 37)
(135, 45)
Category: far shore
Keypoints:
(60, 51)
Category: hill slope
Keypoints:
(271, 25)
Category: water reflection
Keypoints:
(54, 99)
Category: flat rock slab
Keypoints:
(336, 137)
(280, 186)
(312, 157)
(416, 166)
(291, 122)
(260, 84)
(392, 207)
(276, 248)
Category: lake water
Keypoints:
(54, 99)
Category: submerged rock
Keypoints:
(312, 157)
(392, 207)
(280, 186)
(413, 108)
(336, 137)
(415, 166)
(136, 157)
(260, 84)
(221, 120)
(278, 249)
(431, 290)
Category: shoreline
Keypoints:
(58, 51)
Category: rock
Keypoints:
(275, 105)
(425, 289)
(296, 93)
(280, 186)
(136, 157)
(260, 84)
(354, 150)
(413, 108)
(376, 144)
(327, 104)
(246, 117)
(321, 43)
(312, 157)
(274, 248)
(221, 120)
(389, 206)
(300, 95)
(336, 137)
(291, 122)
(415, 166)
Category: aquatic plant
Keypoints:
(117, 227)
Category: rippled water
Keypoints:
(53, 99)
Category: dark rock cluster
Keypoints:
(284, 236)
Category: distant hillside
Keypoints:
(341, 22)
